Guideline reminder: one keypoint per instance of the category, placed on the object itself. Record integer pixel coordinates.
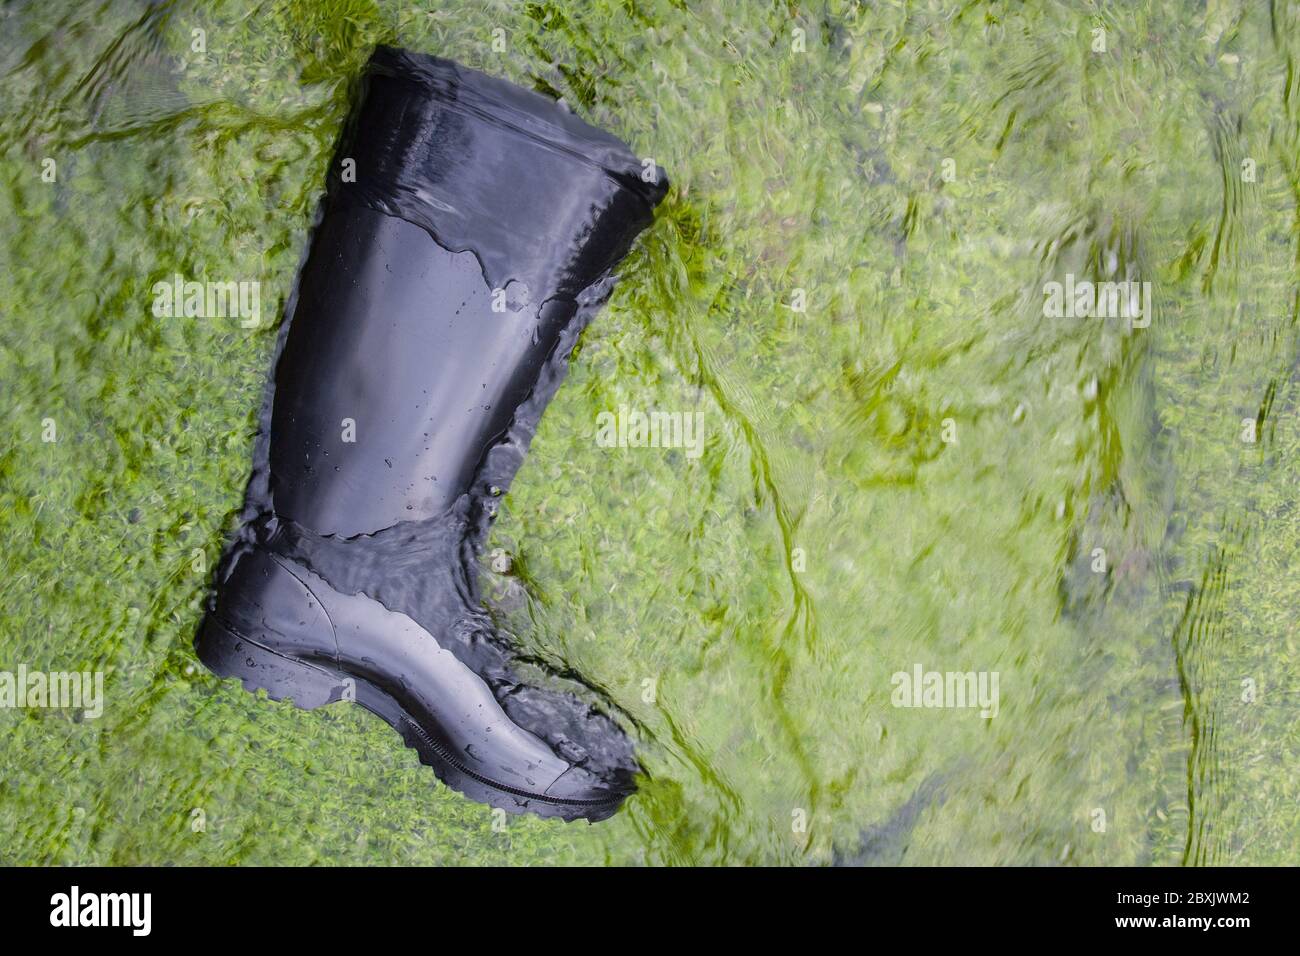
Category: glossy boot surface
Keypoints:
(470, 232)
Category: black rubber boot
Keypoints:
(469, 233)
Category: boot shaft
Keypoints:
(437, 288)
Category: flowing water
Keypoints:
(907, 460)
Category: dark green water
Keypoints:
(916, 468)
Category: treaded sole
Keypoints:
(308, 686)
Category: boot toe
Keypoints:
(580, 787)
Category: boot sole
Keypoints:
(308, 686)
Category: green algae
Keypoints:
(911, 174)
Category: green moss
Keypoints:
(822, 171)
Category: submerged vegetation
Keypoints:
(903, 461)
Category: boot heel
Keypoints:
(228, 654)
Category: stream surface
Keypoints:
(902, 450)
